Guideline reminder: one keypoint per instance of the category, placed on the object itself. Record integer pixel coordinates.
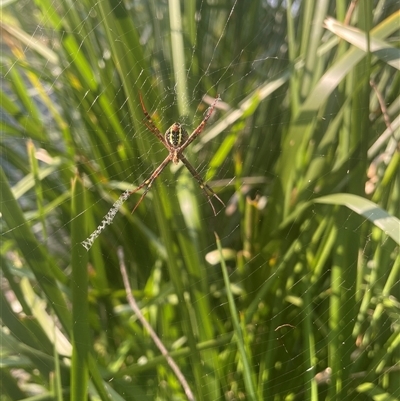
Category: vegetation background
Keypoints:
(298, 299)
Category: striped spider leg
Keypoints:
(175, 140)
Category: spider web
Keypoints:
(314, 285)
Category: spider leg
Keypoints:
(149, 182)
(201, 126)
(208, 192)
(150, 124)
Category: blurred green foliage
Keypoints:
(299, 300)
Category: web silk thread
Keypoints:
(107, 220)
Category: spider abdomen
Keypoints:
(176, 135)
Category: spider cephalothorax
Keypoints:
(175, 140)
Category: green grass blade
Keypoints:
(80, 309)
(247, 371)
(35, 255)
(390, 225)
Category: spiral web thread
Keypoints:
(107, 220)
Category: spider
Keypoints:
(175, 140)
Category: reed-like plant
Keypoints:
(291, 291)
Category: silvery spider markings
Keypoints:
(176, 135)
(175, 140)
